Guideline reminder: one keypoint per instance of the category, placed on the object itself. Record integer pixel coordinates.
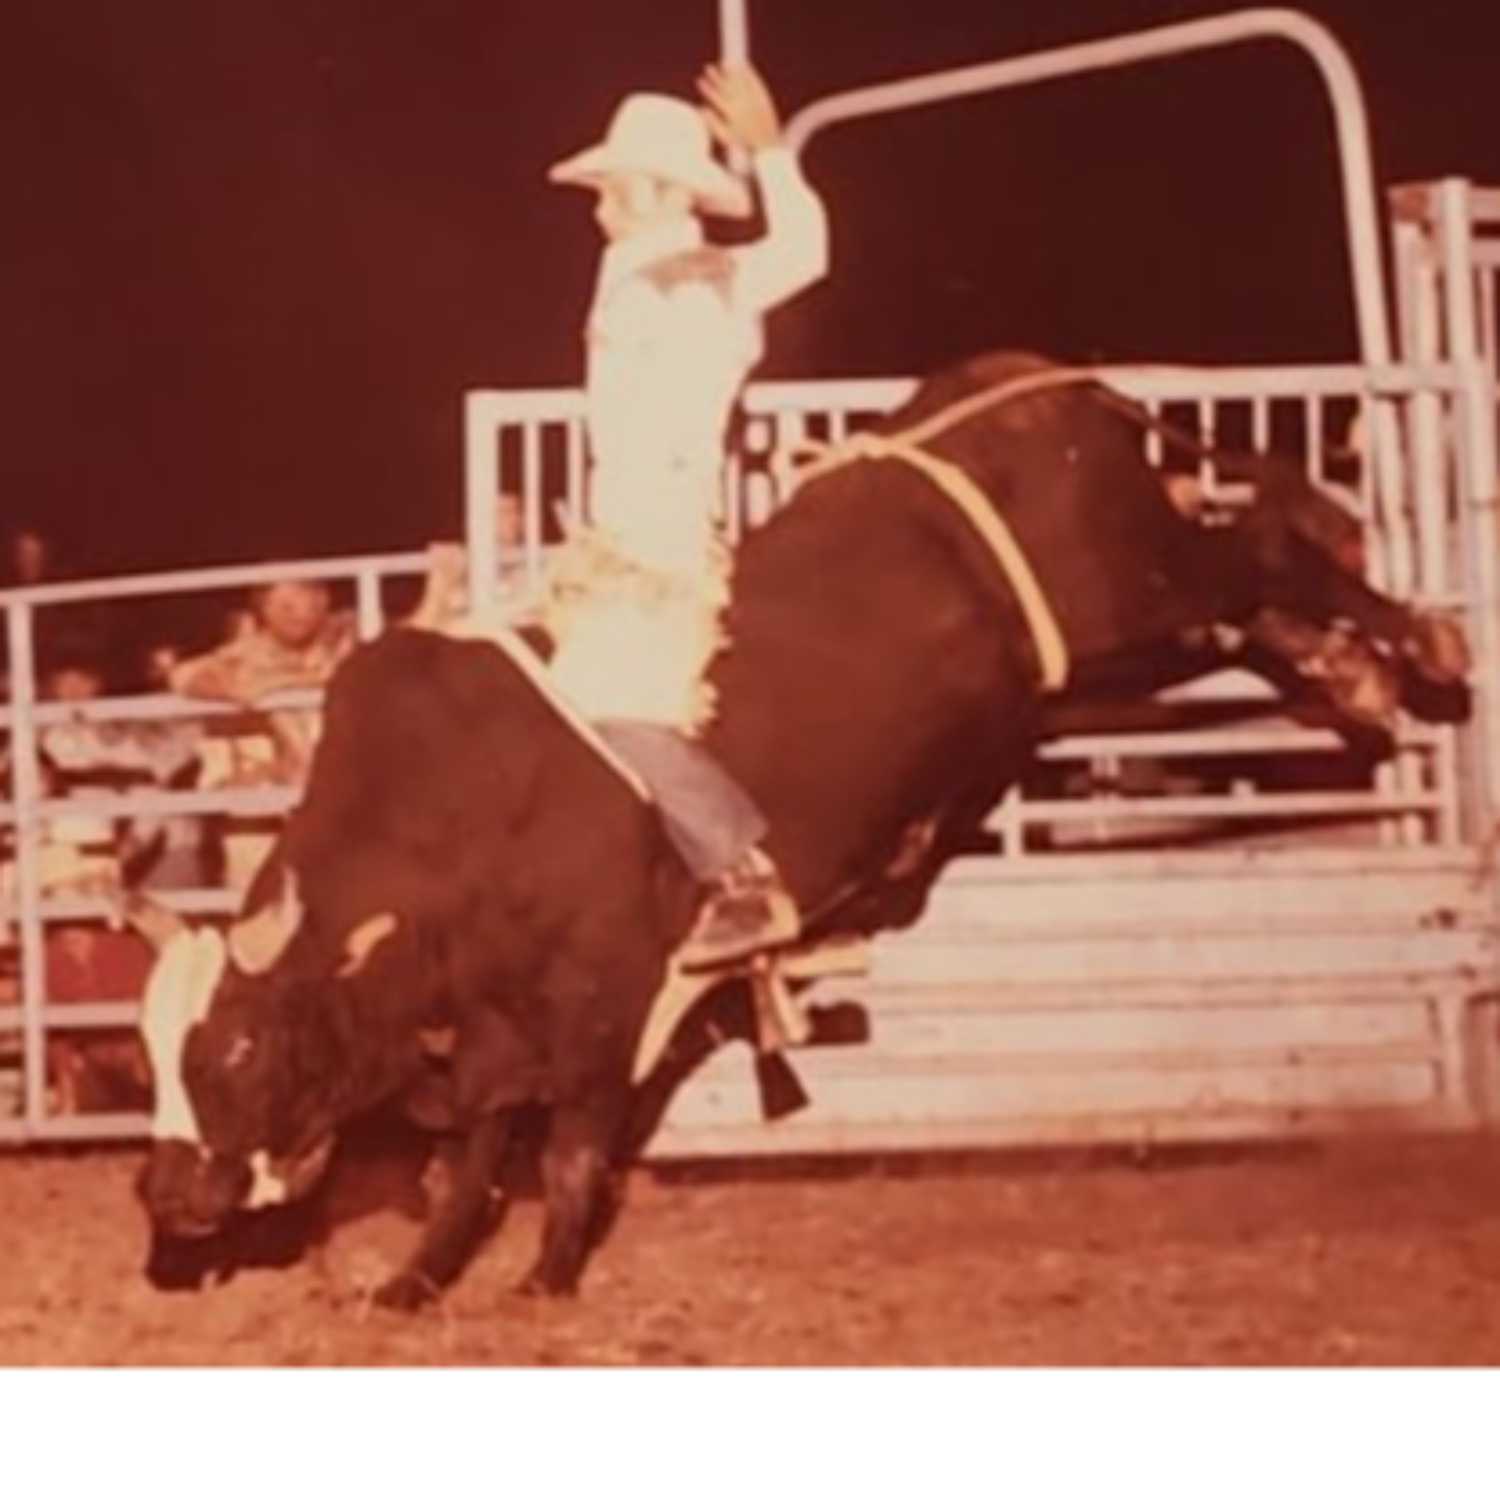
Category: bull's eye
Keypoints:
(239, 1052)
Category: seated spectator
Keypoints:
(81, 755)
(292, 638)
(446, 595)
(158, 661)
(27, 560)
(78, 852)
(96, 1070)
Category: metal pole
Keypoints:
(26, 789)
(734, 47)
(481, 487)
(734, 31)
(367, 603)
(1456, 246)
(1480, 462)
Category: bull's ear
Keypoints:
(257, 942)
(364, 939)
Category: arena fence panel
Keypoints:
(38, 899)
(1174, 934)
(1318, 960)
(1446, 237)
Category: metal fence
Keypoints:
(530, 444)
(1447, 251)
(1096, 792)
(26, 814)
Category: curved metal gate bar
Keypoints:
(1334, 68)
(1351, 125)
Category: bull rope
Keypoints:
(487, 625)
(953, 482)
(957, 486)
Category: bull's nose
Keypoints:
(177, 1264)
(182, 1226)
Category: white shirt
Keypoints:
(674, 329)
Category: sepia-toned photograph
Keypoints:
(777, 684)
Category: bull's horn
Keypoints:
(178, 995)
(257, 941)
(156, 923)
(364, 940)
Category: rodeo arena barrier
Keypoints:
(1214, 925)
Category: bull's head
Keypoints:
(247, 1066)
(1377, 654)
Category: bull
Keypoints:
(468, 862)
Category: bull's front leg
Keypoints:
(578, 1185)
(458, 1224)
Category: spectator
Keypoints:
(294, 638)
(82, 754)
(96, 1070)
(75, 680)
(28, 558)
(78, 851)
(158, 661)
(239, 623)
(446, 596)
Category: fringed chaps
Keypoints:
(634, 638)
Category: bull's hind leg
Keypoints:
(576, 1180)
(458, 1225)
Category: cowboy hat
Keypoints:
(663, 137)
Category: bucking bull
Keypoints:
(466, 862)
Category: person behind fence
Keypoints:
(27, 560)
(293, 638)
(97, 1069)
(635, 599)
(445, 593)
(80, 755)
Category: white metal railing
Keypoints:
(530, 444)
(26, 814)
(1447, 254)
(1447, 257)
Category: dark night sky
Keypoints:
(255, 250)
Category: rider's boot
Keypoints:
(749, 911)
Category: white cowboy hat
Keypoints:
(663, 137)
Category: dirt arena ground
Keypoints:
(1360, 1253)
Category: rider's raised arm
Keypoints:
(793, 254)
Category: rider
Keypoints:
(674, 329)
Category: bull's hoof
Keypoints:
(536, 1283)
(176, 1282)
(1438, 648)
(182, 1265)
(408, 1292)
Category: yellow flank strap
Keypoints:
(970, 499)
